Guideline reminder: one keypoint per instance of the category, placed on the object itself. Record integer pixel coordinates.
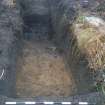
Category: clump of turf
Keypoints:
(90, 36)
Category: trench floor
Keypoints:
(42, 71)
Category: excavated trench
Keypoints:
(42, 68)
(43, 63)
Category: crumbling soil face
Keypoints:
(41, 71)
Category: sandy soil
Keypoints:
(42, 72)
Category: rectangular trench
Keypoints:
(42, 68)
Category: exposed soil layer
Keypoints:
(42, 71)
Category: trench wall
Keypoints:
(10, 29)
(62, 15)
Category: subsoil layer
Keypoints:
(42, 71)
